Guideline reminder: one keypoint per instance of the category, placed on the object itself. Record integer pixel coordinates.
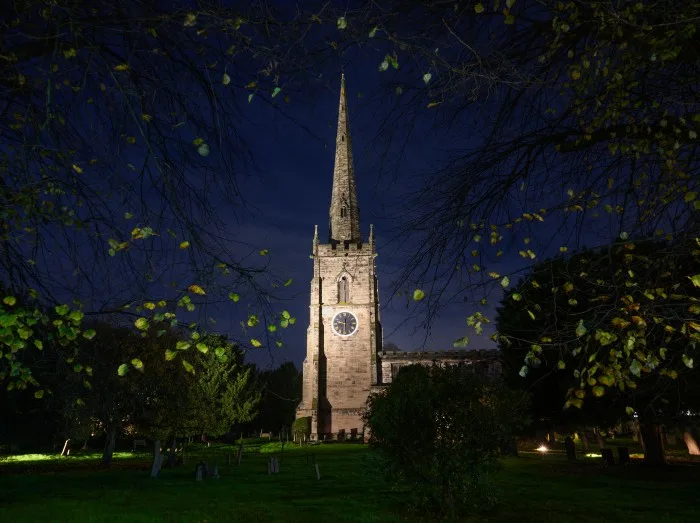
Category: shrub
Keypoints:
(440, 431)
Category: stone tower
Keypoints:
(344, 334)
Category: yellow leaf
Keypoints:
(689, 196)
(196, 289)
(121, 67)
(184, 245)
(255, 343)
(77, 169)
(479, 8)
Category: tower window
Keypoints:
(343, 212)
(342, 138)
(343, 290)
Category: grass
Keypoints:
(533, 489)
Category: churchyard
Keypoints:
(533, 487)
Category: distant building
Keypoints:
(344, 358)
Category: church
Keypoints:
(344, 359)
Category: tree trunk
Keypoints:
(691, 443)
(108, 452)
(584, 441)
(599, 438)
(653, 444)
(157, 459)
(171, 454)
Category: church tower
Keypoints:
(344, 334)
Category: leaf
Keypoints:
(141, 324)
(695, 279)
(510, 3)
(123, 369)
(373, 32)
(479, 8)
(272, 327)
(182, 345)
(250, 97)
(286, 315)
(433, 104)
(39, 344)
(688, 361)
(598, 391)
(561, 365)
(225, 79)
(203, 150)
(418, 295)
(170, 354)
(138, 364)
(288, 282)
(276, 91)
(196, 289)
(505, 282)
(624, 235)
(629, 411)
(188, 366)
(121, 67)
(184, 245)
(532, 315)
(384, 65)
(89, 334)
(264, 252)
(39, 394)
(342, 23)
(580, 329)
(253, 320)
(128, 215)
(462, 342)
(233, 296)
(510, 19)
(77, 169)
(427, 77)
(516, 296)
(689, 197)
(62, 310)
(523, 371)
(202, 347)
(9, 300)
(635, 368)
(255, 343)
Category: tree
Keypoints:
(121, 154)
(615, 327)
(281, 393)
(440, 430)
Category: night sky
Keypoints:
(295, 156)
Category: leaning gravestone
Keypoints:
(623, 455)
(608, 458)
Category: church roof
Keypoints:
(345, 211)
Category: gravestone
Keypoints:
(239, 457)
(608, 458)
(623, 454)
(318, 473)
(198, 472)
(570, 447)
(215, 475)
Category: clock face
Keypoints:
(344, 323)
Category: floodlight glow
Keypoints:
(542, 448)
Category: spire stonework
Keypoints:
(345, 211)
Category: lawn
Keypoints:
(533, 489)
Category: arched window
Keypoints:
(343, 290)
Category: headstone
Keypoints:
(239, 457)
(198, 472)
(216, 470)
(608, 458)
(318, 474)
(623, 454)
(228, 458)
(570, 447)
(269, 466)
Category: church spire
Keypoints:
(345, 211)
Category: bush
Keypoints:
(440, 431)
(301, 427)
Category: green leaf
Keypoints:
(203, 150)
(62, 310)
(342, 23)
(276, 91)
(695, 279)
(250, 97)
(39, 344)
(89, 334)
(76, 316)
(373, 32)
(523, 371)
(253, 320)
(516, 296)
(689, 197)
(225, 79)
(427, 77)
(123, 369)
(688, 361)
(286, 315)
(462, 342)
(532, 315)
(202, 347)
(384, 65)
(561, 365)
(272, 327)
(510, 19)
(505, 282)
(182, 345)
(635, 368)
(219, 351)
(138, 364)
(288, 282)
(188, 366)
(629, 411)
(598, 391)
(233, 297)
(581, 329)
(9, 300)
(255, 343)
(141, 324)
(510, 3)
(479, 8)
(418, 295)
